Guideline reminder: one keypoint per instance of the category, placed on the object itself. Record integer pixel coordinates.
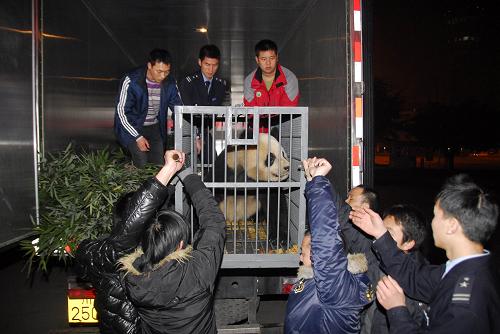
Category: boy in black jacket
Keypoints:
(407, 227)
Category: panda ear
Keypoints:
(275, 132)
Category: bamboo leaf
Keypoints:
(77, 191)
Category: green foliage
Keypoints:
(77, 191)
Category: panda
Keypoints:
(251, 204)
(265, 162)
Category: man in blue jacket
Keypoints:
(333, 287)
(142, 104)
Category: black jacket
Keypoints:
(96, 259)
(379, 322)
(177, 295)
(465, 300)
(374, 319)
(194, 92)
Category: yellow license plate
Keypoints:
(81, 311)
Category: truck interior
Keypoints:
(58, 85)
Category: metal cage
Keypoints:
(251, 160)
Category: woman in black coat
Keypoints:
(96, 260)
(170, 282)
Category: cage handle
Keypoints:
(234, 112)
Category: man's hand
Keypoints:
(369, 221)
(197, 144)
(316, 166)
(174, 160)
(307, 173)
(142, 144)
(389, 293)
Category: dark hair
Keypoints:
(209, 51)
(474, 209)
(412, 222)
(159, 56)
(265, 45)
(162, 237)
(370, 196)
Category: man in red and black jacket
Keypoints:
(270, 85)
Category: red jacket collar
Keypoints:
(279, 78)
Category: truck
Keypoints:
(62, 61)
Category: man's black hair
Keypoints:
(265, 45)
(159, 56)
(370, 196)
(474, 209)
(412, 222)
(162, 237)
(209, 51)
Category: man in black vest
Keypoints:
(203, 88)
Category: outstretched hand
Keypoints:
(316, 166)
(369, 221)
(389, 293)
(174, 160)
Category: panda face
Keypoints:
(274, 166)
(265, 162)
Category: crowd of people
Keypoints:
(360, 272)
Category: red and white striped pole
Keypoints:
(357, 95)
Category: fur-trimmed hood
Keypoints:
(127, 262)
(356, 264)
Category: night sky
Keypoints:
(437, 51)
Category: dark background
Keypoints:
(436, 68)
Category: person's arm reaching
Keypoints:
(209, 240)
(145, 202)
(102, 253)
(333, 281)
(417, 280)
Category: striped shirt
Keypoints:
(153, 102)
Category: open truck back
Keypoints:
(62, 60)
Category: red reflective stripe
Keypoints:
(357, 51)
(355, 155)
(356, 4)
